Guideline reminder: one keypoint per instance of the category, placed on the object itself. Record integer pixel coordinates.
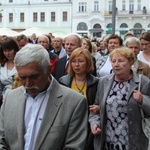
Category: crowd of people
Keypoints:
(74, 93)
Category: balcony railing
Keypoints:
(126, 12)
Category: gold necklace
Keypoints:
(80, 90)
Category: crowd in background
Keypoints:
(106, 71)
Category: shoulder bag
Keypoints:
(145, 121)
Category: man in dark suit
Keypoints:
(72, 42)
(41, 114)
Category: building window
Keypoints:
(35, 17)
(131, 6)
(97, 26)
(110, 7)
(52, 16)
(64, 15)
(137, 29)
(123, 25)
(10, 17)
(96, 5)
(144, 10)
(82, 7)
(123, 5)
(82, 26)
(139, 5)
(123, 29)
(21, 17)
(42, 16)
(109, 28)
(1, 17)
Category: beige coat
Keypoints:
(64, 125)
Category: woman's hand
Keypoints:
(94, 109)
(137, 95)
(96, 129)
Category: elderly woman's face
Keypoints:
(135, 48)
(120, 64)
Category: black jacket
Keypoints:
(60, 68)
(92, 83)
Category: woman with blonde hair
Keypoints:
(80, 79)
(118, 126)
(17, 82)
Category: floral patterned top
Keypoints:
(116, 134)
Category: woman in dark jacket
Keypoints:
(91, 86)
(80, 79)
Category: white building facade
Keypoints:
(94, 17)
(85, 17)
(51, 15)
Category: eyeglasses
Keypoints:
(78, 61)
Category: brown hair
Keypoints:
(145, 36)
(7, 43)
(115, 36)
(88, 57)
(21, 37)
(89, 44)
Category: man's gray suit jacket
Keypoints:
(64, 124)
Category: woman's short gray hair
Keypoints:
(132, 40)
(33, 53)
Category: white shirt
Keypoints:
(34, 111)
(106, 69)
(142, 58)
